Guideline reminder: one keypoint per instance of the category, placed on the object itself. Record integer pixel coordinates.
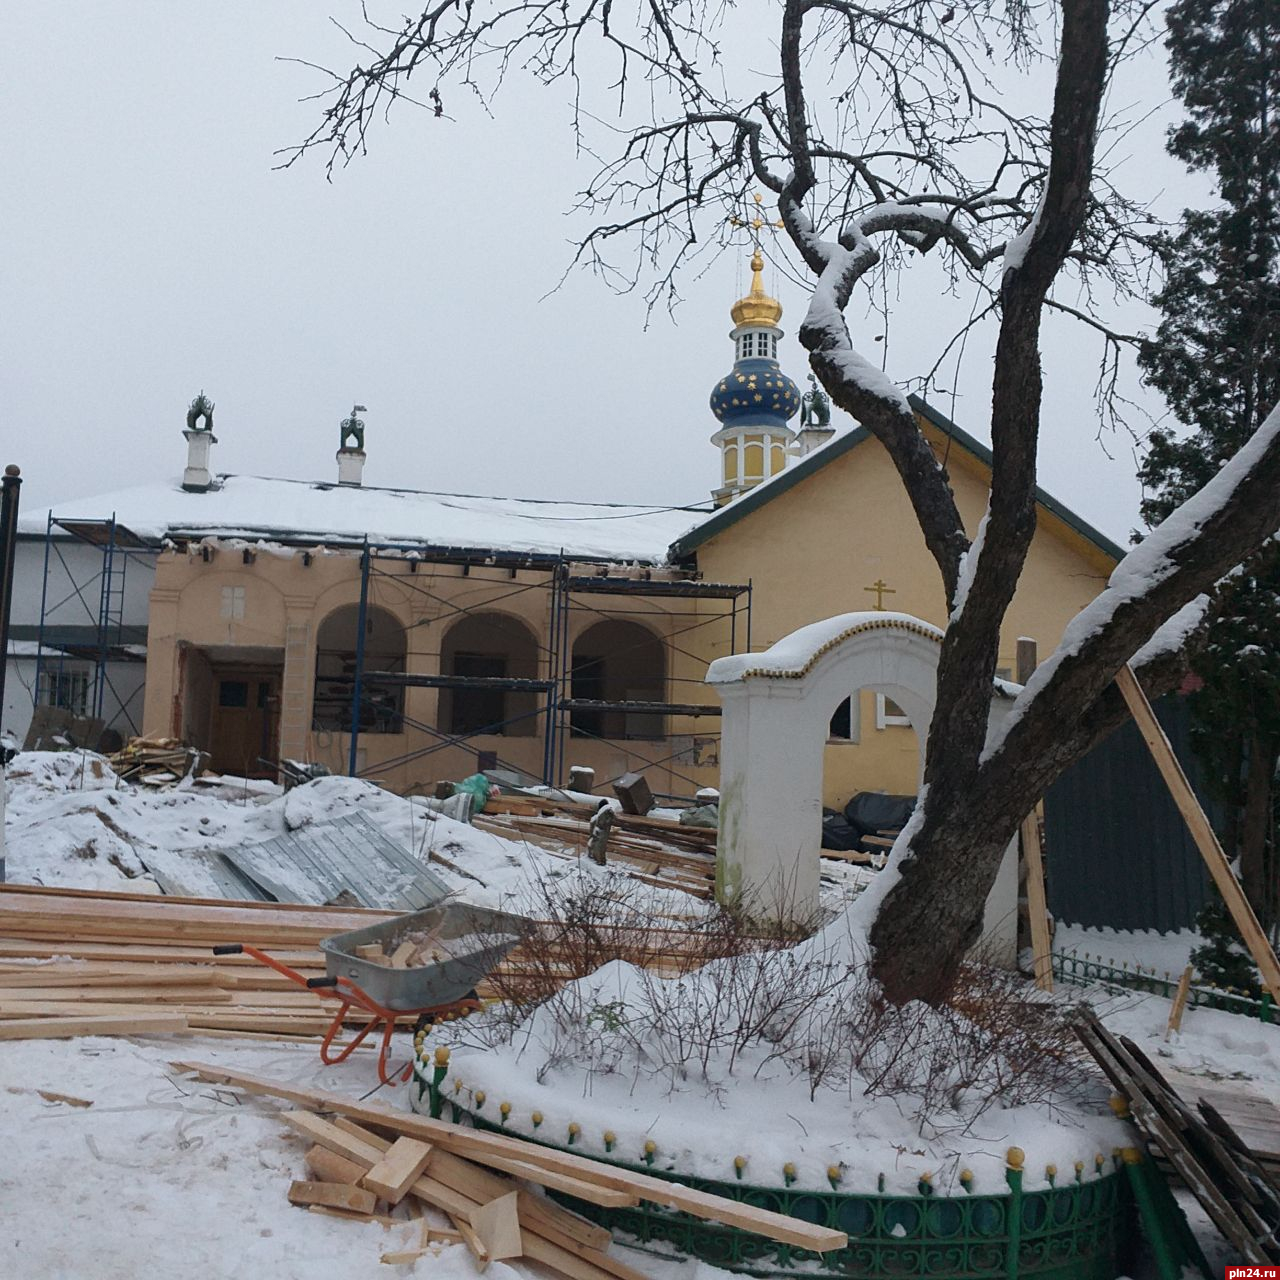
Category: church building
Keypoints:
(411, 636)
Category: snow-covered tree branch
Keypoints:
(880, 135)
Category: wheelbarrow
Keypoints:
(435, 992)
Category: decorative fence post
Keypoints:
(1013, 1176)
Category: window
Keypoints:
(381, 702)
(731, 462)
(66, 689)
(489, 646)
(748, 346)
(615, 662)
(233, 602)
(478, 710)
(846, 721)
(889, 714)
(233, 693)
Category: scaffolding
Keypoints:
(100, 633)
(562, 714)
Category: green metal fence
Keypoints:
(1080, 1227)
(1088, 971)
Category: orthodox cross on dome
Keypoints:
(881, 590)
(756, 222)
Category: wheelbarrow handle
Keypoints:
(229, 949)
(314, 983)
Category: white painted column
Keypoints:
(770, 803)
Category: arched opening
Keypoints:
(617, 661)
(870, 767)
(489, 646)
(381, 704)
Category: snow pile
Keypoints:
(787, 1058)
(70, 822)
(174, 1178)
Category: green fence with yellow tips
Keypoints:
(1078, 1228)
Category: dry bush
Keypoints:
(713, 999)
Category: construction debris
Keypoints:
(156, 760)
(349, 859)
(632, 790)
(1240, 1196)
(653, 850)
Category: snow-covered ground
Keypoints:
(1158, 953)
(159, 1177)
(162, 1177)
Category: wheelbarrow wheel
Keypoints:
(429, 1019)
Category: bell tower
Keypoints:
(754, 400)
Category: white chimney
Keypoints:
(810, 438)
(197, 478)
(351, 454)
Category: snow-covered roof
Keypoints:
(297, 511)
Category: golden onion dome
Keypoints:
(757, 308)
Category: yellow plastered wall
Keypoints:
(283, 601)
(814, 551)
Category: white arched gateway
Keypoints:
(777, 706)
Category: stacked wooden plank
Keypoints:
(120, 964)
(652, 850)
(1240, 1195)
(369, 1153)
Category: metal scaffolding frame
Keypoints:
(102, 597)
(568, 595)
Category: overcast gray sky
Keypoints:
(151, 251)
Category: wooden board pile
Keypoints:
(652, 850)
(127, 964)
(154, 760)
(366, 1154)
(1240, 1195)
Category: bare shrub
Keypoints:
(715, 998)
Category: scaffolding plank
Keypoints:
(654, 587)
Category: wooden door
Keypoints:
(246, 722)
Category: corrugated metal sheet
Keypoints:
(312, 865)
(315, 864)
(1117, 851)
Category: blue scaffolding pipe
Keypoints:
(361, 623)
(44, 595)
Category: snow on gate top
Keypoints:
(307, 513)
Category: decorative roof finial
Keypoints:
(757, 308)
(815, 407)
(200, 410)
(353, 428)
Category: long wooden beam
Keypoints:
(476, 1144)
(1201, 832)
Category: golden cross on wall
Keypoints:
(881, 591)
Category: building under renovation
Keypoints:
(409, 636)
